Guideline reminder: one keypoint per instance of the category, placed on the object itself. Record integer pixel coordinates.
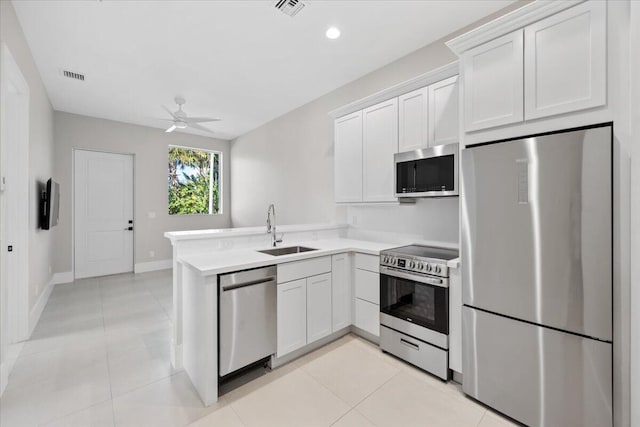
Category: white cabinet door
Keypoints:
(566, 61)
(413, 119)
(348, 158)
(493, 82)
(380, 140)
(443, 112)
(341, 291)
(367, 317)
(292, 316)
(318, 307)
(367, 286)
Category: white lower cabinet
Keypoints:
(367, 293)
(367, 316)
(319, 320)
(368, 286)
(304, 312)
(292, 316)
(341, 291)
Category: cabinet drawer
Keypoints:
(367, 317)
(368, 286)
(368, 262)
(425, 356)
(301, 269)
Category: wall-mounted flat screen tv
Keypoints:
(50, 205)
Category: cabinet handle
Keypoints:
(409, 344)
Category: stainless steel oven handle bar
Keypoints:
(441, 282)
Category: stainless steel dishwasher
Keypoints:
(247, 318)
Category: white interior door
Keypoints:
(103, 213)
(14, 206)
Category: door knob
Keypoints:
(129, 228)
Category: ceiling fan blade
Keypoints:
(169, 111)
(197, 126)
(171, 129)
(202, 119)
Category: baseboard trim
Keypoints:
(38, 308)
(279, 361)
(366, 335)
(63, 277)
(144, 267)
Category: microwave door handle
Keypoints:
(415, 173)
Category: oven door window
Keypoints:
(416, 302)
(425, 175)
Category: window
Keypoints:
(194, 181)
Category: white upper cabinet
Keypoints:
(565, 61)
(380, 141)
(348, 158)
(493, 81)
(413, 119)
(443, 112)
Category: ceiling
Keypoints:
(243, 61)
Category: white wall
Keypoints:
(150, 147)
(429, 221)
(40, 169)
(40, 148)
(289, 161)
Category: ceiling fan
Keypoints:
(181, 121)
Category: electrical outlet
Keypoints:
(151, 215)
(152, 254)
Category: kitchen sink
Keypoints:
(287, 251)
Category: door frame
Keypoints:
(14, 297)
(73, 202)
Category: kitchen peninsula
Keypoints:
(333, 307)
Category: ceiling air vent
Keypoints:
(289, 7)
(72, 75)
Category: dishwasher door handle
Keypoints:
(250, 283)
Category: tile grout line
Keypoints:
(106, 349)
(339, 398)
(230, 404)
(484, 414)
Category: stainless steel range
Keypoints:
(414, 306)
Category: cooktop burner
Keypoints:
(425, 252)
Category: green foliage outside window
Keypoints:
(194, 182)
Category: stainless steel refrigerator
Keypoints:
(537, 277)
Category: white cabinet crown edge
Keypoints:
(418, 82)
(519, 18)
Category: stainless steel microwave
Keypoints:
(430, 172)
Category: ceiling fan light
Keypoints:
(181, 125)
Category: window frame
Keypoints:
(220, 180)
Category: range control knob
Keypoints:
(391, 260)
(437, 269)
(419, 266)
(412, 264)
(427, 267)
(385, 259)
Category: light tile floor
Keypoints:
(100, 357)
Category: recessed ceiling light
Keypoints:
(333, 33)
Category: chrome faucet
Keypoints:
(272, 229)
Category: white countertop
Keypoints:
(240, 259)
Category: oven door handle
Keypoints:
(443, 283)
